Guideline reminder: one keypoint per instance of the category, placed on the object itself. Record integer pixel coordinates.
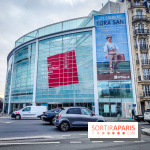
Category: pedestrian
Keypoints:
(112, 50)
(133, 113)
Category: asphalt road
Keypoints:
(29, 127)
(41, 135)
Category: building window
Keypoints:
(136, 46)
(140, 28)
(139, 75)
(144, 58)
(142, 43)
(136, 3)
(146, 90)
(139, 14)
(146, 74)
(148, 103)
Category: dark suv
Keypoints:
(71, 117)
(49, 116)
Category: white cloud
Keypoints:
(18, 17)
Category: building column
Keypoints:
(95, 70)
(11, 83)
(5, 87)
(35, 73)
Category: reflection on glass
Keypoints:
(114, 93)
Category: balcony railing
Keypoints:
(139, 18)
(137, 61)
(143, 47)
(141, 31)
(145, 61)
(146, 94)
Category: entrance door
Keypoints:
(104, 109)
(142, 107)
(115, 109)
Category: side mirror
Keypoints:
(93, 114)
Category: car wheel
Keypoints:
(18, 117)
(64, 126)
(53, 121)
(138, 120)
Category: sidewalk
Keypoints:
(146, 131)
(111, 119)
(4, 115)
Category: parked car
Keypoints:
(139, 118)
(147, 115)
(49, 116)
(71, 117)
(29, 112)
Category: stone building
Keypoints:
(139, 25)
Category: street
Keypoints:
(36, 135)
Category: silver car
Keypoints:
(71, 117)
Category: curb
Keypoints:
(146, 133)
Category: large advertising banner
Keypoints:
(62, 69)
(112, 51)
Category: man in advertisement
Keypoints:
(112, 50)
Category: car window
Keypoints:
(52, 110)
(148, 110)
(27, 109)
(58, 110)
(86, 111)
(74, 111)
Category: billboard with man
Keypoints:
(112, 51)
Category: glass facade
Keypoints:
(57, 70)
(58, 27)
(83, 91)
(22, 77)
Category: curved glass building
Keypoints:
(58, 65)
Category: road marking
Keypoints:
(118, 141)
(97, 141)
(66, 135)
(74, 142)
(24, 138)
(82, 134)
(140, 141)
(30, 143)
(5, 122)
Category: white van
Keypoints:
(29, 112)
